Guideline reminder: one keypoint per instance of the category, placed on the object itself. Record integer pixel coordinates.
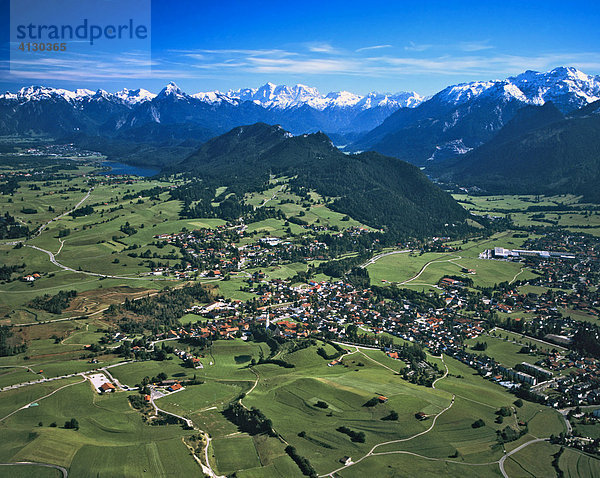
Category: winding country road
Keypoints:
(519, 448)
(433, 261)
(96, 274)
(52, 256)
(206, 468)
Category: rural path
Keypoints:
(60, 377)
(517, 275)
(96, 274)
(187, 421)
(402, 452)
(374, 259)
(271, 198)
(377, 362)
(62, 243)
(206, 468)
(519, 448)
(45, 225)
(391, 442)
(441, 357)
(400, 440)
(60, 216)
(41, 398)
(433, 261)
(17, 366)
(64, 471)
(52, 256)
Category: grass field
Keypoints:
(516, 206)
(574, 464)
(409, 269)
(111, 440)
(235, 453)
(503, 351)
(27, 471)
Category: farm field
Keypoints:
(583, 219)
(110, 434)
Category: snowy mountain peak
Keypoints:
(171, 90)
(38, 93)
(132, 97)
(464, 92)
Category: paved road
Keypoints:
(64, 471)
(519, 448)
(563, 414)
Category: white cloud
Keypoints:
(475, 45)
(322, 48)
(412, 46)
(374, 47)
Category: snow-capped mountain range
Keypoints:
(464, 116)
(567, 87)
(268, 96)
(285, 97)
(299, 108)
(406, 125)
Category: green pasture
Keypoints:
(503, 351)
(112, 436)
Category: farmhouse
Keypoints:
(107, 387)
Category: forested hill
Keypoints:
(377, 190)
(537, 153)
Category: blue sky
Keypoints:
(332, 45)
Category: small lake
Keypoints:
(121, 168)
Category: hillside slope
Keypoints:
(538, 152)
(374, 189)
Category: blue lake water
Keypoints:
(121, 168)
